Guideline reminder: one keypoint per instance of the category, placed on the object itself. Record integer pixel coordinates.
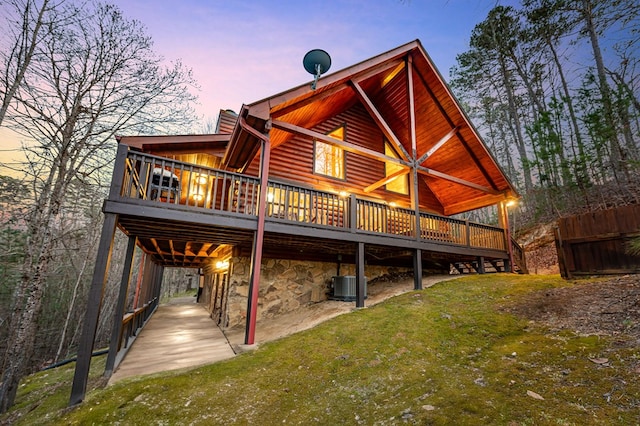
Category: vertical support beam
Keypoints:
(94, 303)
(413, 177)
(146, 280)
(120, 306)
(158, 286)
(360, 278)
(480, 261)
(256, 252)
(503, 221)
(417, 269)
(141, 272)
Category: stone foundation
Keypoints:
(286, 285)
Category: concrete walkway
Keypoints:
(180, 334)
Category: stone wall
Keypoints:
(286, 285)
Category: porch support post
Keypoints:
(503, 221)
(158, 286)
(413, 179)
(256, 252)
(480, 261)
(94, 303)
(360, 278)
(417, 269)
(116, 329)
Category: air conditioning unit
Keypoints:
(344, 288)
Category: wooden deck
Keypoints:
(181, 212)
(178, 335)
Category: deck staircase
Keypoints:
(484, 266)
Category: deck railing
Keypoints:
(171, 182)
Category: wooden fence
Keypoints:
(596, 243)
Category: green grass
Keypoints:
(444, 355)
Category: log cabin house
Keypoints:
(355, 177)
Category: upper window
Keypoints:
(401, 183)
(329, 159)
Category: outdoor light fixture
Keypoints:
(222, 264)
(511, 202)
(343, 194)
(201, 179)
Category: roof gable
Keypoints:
(409, 101)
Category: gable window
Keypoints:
(329, 159)
(401, 183)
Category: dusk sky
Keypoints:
(244, 51)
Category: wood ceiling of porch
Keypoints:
(183, 244)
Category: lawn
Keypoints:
(449, 354)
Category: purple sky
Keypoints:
(242, 52)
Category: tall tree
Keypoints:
(595, 17)
(92, 78)
(24, 22)
(548, 25)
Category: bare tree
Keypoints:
(24, 22)
(92, 78)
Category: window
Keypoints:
(329, 159)
(401, 183)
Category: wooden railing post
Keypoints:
(119, 168)
(467, 232)
(353, 213)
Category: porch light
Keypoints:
(222, 264)
(198, 194)
(270, 197)
(393, 204)
(511, 202)
(343, 193)
(201, 179)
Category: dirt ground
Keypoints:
(609, 307)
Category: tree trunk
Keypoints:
(513, 113)
(27, 304)
(616, 153)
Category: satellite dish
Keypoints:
(316, 62)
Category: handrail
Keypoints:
(518, 256)
(132, 322)
(161, 180)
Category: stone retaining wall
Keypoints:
(286, 285)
